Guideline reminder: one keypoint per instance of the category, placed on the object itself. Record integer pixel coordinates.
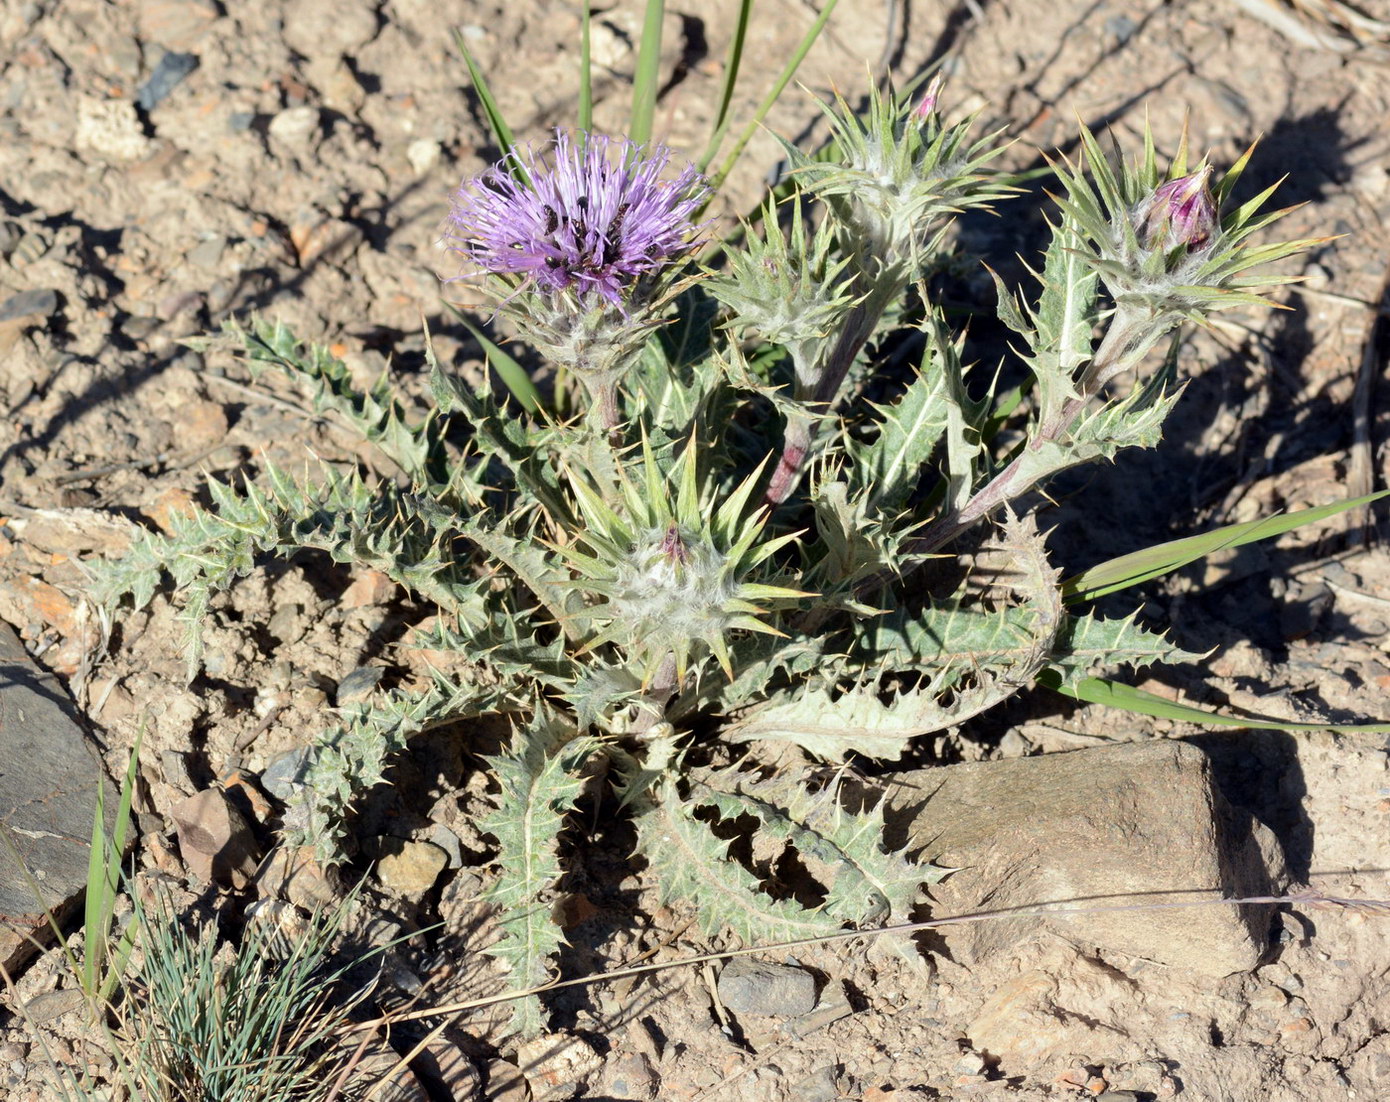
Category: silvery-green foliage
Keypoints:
(758, 536)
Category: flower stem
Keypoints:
(603, 394)
(653, 701)
(821, 392)
(1131, 334)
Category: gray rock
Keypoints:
(54, 1004)
(286, 774)
(48, 783)
(358, 685)
(167, 76)
(822, 1085)
(28, 307)
(448, 841)
(1139, 823)
(748, 986)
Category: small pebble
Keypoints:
(296, 127)
(359, 684)
(758, 988)
(28, 307)
(167, 75)
(423, 155)
(286, 774)
(409, 869)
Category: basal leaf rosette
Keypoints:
(671, 577)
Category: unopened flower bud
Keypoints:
(1180, 213)
(673, 547)
(926, 107)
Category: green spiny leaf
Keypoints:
(689, 863)
(541, 777)
(1087, 644)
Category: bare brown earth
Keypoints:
(302, 168)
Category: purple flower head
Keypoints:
(595, 218)
(1181, 212)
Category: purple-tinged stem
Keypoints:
(1124, 344)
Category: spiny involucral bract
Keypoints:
(596, 216)
(672, 578)
(902, 172)
(788, 288)
(1160, 243)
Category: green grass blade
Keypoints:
(512, 374)
(732, 64)
(1099, 690)
(99, 892)
(1162, 558)
(789, 71)
(645, 82)
(118, 958)
(103, 880)
(586, 73)
(501, 132)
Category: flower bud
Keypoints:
(673, 546)
(1179, 214)
(926, 107)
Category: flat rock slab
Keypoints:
(1139, 823)
(48, 778)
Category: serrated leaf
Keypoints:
(1087, 644)
(831, 722)
(541, 779)
(348, 760)
(888, 468)
(353, 521)
(376, 413)
(866, 883)
(537, 570)
(500, 437)
(760, 663)
(598, 691)
(690, 863)
(855, 542)
(1065, 318)
(1136, 422)
(969, 659)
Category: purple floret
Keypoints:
(595, 218)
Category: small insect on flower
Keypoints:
(592, 215)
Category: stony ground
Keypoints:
(166, 164)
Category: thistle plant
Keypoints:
(726, 550)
